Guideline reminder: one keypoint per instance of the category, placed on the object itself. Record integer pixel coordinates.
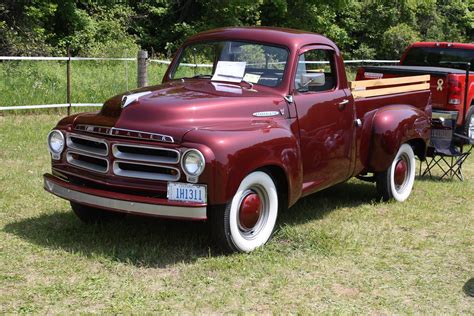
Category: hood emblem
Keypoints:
(128, 99)
(266, 113)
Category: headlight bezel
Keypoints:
(192, 177)
(56, 154)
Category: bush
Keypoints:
(396, 39)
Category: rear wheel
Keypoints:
(397, 181)
(248, 219)
(92, 215)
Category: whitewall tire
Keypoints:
(397, 181)
(248, 220)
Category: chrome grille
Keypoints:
(86, 161)
(87, 144)
(127, 160)
(145, 171)
(145, 153)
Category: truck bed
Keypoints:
(413, 70)
(442, 84)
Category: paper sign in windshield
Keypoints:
(231, 71)
(252, 78)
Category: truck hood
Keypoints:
(175, 108)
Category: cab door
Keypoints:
(326, 119)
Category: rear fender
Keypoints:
(393, 126)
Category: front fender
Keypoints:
(393, 126)
(233, 154)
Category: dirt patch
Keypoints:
(383, 210)
(345, 291)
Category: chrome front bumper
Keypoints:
(71, 193)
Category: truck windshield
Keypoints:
(252, 62)
(439, 57)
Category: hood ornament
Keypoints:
(128, 99)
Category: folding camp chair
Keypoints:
(446, 150)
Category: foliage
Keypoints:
(396, 39)
(362, 28)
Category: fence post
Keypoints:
(68, 81)
(142, 57)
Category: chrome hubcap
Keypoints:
(250, 210)
(401, 173)
(253, 212)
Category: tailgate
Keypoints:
(438, 81)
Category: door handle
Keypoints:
(343, 103)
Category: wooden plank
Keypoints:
(388, 81)
(392, 90)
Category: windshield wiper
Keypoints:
(198, 77)
(202, 76)
(247, 82)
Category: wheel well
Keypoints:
(279, 176)
(419, 147)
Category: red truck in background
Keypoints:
(452, 80)
(246, 122)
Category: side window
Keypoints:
(316, 71)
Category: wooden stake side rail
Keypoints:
(403, 84)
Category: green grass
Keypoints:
(337, 251)
(44, 82)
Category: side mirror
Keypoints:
(313, 79)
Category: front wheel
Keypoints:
(248, 220)
(397, 181)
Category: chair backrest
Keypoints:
(442, 132)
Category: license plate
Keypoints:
(187, 192)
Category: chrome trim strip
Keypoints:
(83, 164)
(132, 207)
(447, 115)
(139, 157)
(143, 174)
(70, 143)
(266, 113)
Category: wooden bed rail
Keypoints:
(401, 84)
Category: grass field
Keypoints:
(337, 251)
(44, 82)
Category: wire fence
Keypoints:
(98, 78)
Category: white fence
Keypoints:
(69, 59)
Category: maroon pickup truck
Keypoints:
(452, 80)
(246, 122)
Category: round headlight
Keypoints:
(55, 142)
(193, 162)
